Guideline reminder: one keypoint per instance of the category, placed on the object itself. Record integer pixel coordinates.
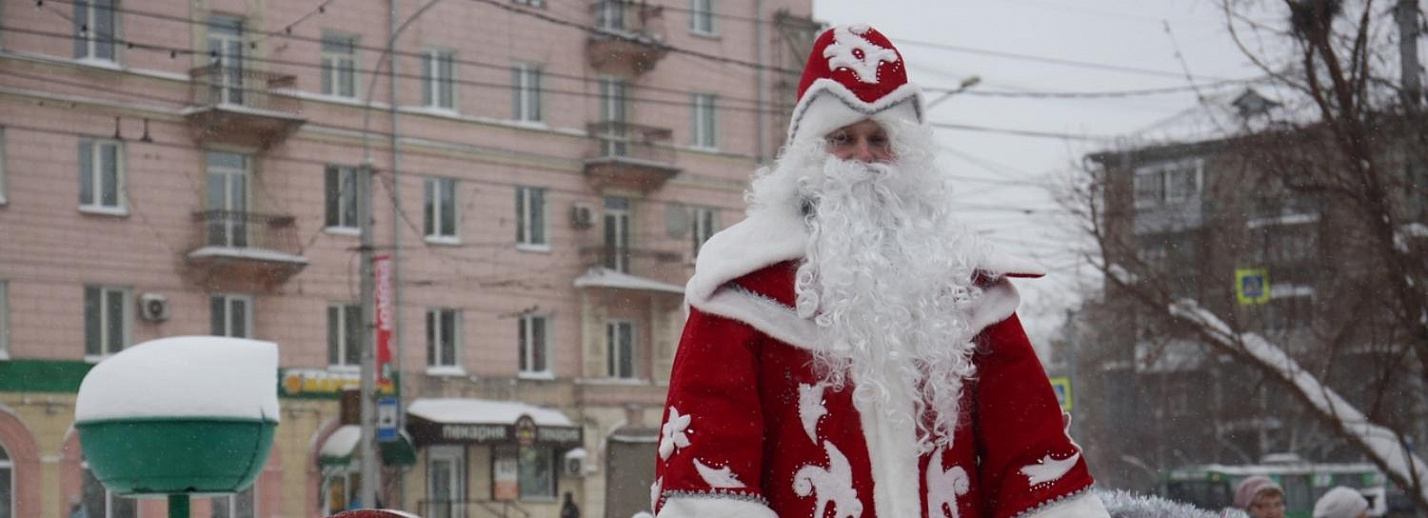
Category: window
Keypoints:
(4, 322)
(231, 315)
(339, 65)
(1168, 182)
(526, 83)
(341, 193)
(445, 485)
(439, 210)
(617, 234)
(537, 473)
(613, 112)
(228, 199)
(344, 326)
(107, 314)
(1149, 188)
(534, 349)
(95, 27)
(620, 342)
(225, 58)
(243, 504)
(705, 125)
(438, 79)
(339, 486)
(1182, 182)
(530, 217)
(610, 15)
(705, 223)
(101, 176)
(7, 484)
(442, 338)
(531, 3)
(701, 16)
(98, 502)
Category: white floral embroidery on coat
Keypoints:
(674, 436)
(1048, 469)
(810, 408)
(722, 478)
(846, 46)
(943, 487)
(834, 484)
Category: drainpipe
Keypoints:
(759, 115)
(396, 234)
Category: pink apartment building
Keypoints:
(544, 173)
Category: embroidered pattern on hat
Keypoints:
(855, 53)
(722, 478)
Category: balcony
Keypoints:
(630, 37)
(237, 105)
(629, 156)
(245, 248)
(653, 271)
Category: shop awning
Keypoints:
(466, 420)
(342, 445)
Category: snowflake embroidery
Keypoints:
(834, 484)
(674, 434)
(810, 408)
(943, 487)
(852, 51)
(722, 478)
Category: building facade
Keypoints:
(543, 174)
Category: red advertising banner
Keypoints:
(382, 270)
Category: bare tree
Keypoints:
(1328, 193)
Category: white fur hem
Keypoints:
(828, 105)
(1087, 505)
(713, 507)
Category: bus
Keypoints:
(1212, 486)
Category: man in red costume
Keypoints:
(852, 350)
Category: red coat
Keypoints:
(750, 430)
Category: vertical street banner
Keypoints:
(382, 270)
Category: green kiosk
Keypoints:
(180, 417)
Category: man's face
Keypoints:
(864, 141)
(1267, 506)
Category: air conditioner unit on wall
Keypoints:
(575, 462)
(582, 216)
(153, 307)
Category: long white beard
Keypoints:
(887, 277)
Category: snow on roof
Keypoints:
(185, 376)
(598, 277)
(1218, 115)
(484, 411)
(342, 442)
(247, 253)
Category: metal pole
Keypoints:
(370, 475)
(1407, 14)
(401, 499)
(178, 506)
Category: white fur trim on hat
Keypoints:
(828, 105)
(1340, 502)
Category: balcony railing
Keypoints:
(630, 156)
(658, 265)
(630, 35)
(240, 244)
(236, 104)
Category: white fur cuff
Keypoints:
(713, 507)
(1087, 505)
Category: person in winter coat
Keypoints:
(569, 509)
(1341, 502)
(1260, 497)
(851, 349)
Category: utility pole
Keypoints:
(367, 444)
(1407, 15)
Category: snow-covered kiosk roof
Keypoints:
(468, 420)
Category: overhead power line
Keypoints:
(1053, 61)
(1019, 132)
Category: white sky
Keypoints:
(1119, 33)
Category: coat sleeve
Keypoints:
(711, 438)
(1029, 466)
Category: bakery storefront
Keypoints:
(476, 453)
